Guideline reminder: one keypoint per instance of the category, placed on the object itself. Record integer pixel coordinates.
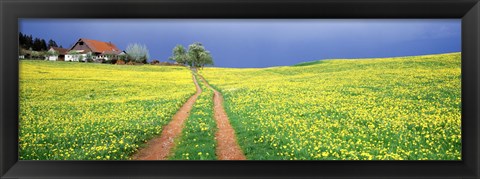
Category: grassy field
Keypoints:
(406, 108)
(198, 137)
(77, 111)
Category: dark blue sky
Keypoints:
(262, 43)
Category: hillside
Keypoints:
(405, 108)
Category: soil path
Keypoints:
(227, 146)
(159, 148)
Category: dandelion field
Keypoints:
(405, 108)
(77, 111)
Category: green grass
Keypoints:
(198, 136)
(88, 111)
(406, 108)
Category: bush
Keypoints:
(100, 60)
(112, 61)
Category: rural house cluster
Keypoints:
(85, 49)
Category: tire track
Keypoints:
(227, 145)
(160, 148)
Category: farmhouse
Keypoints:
(56, 54)
(93, 49)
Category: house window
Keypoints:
(81, 43)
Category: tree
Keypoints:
(52, 43)
(37, 44)
(24, 41)
(205, 59)
(179, 55)
(29, 42)
(198, 56)
(137, 52)
(89, 57)
(52, 53)
(122, 57)
(43, 45)
(38, 54)
(21, 40)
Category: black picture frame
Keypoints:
(467, 10)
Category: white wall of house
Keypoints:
(75, 57)
(52, 58)
(101, 57)
(106, 57)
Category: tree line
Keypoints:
(36, 44)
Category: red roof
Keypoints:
(99, 46)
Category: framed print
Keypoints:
(248, 89)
